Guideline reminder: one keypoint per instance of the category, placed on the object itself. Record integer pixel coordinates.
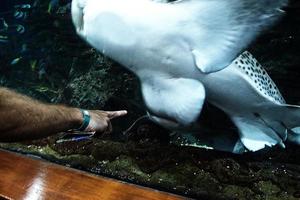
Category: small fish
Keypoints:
(15, 61)
(20, 29)
(23, 6)
(42, 89)
(42, 72)
(20, 15)
(52, 5)
(3, 39)
(76, 137)
(33, 64)
(3, 24)
(23, 48)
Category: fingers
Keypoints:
(109, 128)
(100, 120)
(115, 114)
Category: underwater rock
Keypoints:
(125, 168)
(231, 172)
(268, 188)
(153, 156)
(69, 148)
(239, 193)
(100, 150)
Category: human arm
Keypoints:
(23, 118)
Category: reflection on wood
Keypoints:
(29, 179)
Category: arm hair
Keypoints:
(23, 118)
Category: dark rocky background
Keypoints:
(49, 62)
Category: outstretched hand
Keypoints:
(100, 120)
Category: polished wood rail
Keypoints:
(31, 179)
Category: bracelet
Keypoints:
(86, 120)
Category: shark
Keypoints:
(187, 52)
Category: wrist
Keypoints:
(77, 118)
(86, 120)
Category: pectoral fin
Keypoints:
(205, 65)
(179, 100)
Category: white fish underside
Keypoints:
(183, 52)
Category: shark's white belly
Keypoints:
(142, 48)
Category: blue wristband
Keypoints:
(86, 120)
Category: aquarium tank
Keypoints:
(43, 56)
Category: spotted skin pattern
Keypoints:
(260, 79)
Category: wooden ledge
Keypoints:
(27, 178)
